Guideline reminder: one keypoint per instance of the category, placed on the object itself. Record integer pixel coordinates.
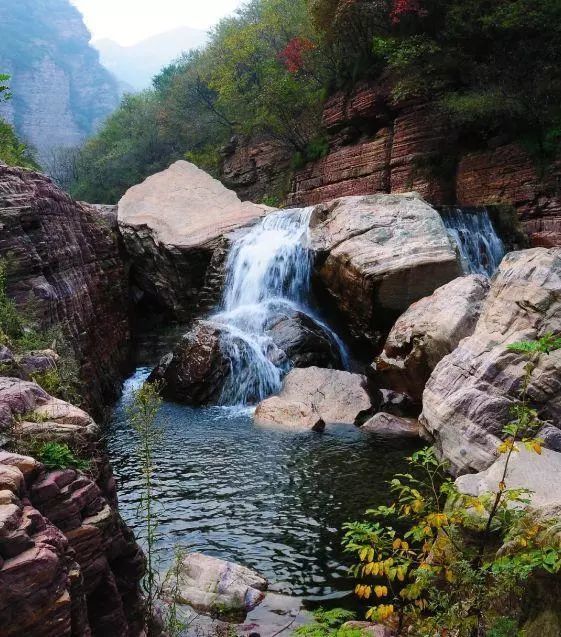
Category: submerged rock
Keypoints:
(470, 394)
(429, 330)
(219, 588)
(313, 394)
(171, 224)
(390, 426)
(377, 255)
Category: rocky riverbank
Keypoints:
(428, 344)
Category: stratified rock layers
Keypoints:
(63, 260)
(469, 396)
(69, 566)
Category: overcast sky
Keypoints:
(129, 21)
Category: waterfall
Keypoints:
(481, 249)
(268, 271)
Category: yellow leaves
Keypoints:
(363, 591)
(509, 445)
(381, 591)
(449, 575)
(400, 573)
(380, 613)
(396, 543)
(366, 554)
(437, 520)
(363, 553)
(536, 447)
(418, 506)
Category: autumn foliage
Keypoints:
(402, 8)
(294, 53)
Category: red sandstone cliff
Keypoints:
(376, 146)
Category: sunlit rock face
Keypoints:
(378, 254)
(469, 396)
(172, 224)
(311, 395)
(428, 331)
(64, 261)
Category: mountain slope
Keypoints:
(136, 65)
(61, 91)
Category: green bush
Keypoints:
(55, 455)
(329, 623)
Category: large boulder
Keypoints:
(377, 255)
(428, 331)
(172, 223)
(216, 587)
(314, 394)
(470, 394)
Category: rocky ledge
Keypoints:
(69, 566)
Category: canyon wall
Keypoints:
(377, 146)
(61, 91)
(64, 264)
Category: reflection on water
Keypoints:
(267, 498)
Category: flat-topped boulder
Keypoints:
(427, 332)
(378, 254)
(390, 426)
(172, 223)
(314, 395)
(183, 206)
(470, 394)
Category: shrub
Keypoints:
(55, 455)
(439, 562)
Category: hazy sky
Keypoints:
(128, 21)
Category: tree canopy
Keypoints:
(490, 67)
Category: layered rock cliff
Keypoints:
(63, 260)
(61, 91)
(69, 566)
(377, 146)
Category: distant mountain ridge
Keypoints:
(136, 65)
(61, 92)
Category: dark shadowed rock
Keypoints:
(390, 426)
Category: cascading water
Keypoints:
(480, 247)
(268, 271)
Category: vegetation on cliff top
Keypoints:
(491, 68)
(12, 151)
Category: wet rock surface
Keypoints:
(197, 371)
(469, 396)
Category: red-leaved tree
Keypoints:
(293, 54)
(402, 8)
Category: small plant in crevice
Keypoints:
(439, 562)
(56, 455)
